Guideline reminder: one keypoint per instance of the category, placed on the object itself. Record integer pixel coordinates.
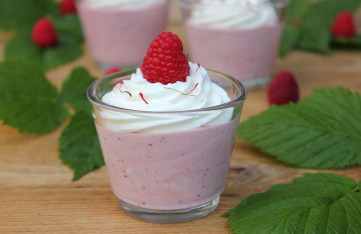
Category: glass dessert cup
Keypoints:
(168, 176)
(119, 36)
(241, 44)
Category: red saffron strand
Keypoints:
(179, 92)
(126, 92)
(141, 95)
(186, 94)
(192, 89)
(199, 66)
(120, 86)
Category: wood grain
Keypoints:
(37, 195)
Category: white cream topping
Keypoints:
(123, 3)
(239, 14)
(198, 91)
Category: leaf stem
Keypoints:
(71, 111)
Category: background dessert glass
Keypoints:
(239, 37)
(172, 176)
(118, 34)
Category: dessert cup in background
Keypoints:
(167, 166)
(118, 32)
(239, 37)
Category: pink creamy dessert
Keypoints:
(239, 38)
(118, 32)
(167, 161)
(234, 51)
(169, 166)
(167, 131)
(168, 171)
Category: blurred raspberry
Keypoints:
(67, 7)
(283, 89)
(111, 70)
(43, 33)
(344, 25)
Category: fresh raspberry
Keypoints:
(67, 7)
(344, 25)
(111, 70)
(283, 89)
(165, 61)
(43, 33)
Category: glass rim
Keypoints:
(276, 3)
(94, 100)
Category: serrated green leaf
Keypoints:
(22, 14)
(22, 47)
(69, 25)
(313, 19)
(322, 13)
(314, 38)
(315, 203)
(79, 145)
(74, 89)
(67, 50)
(28, 101)
(354, 42)
(322, 131)
(296, 9)
(288, 41)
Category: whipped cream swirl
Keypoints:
(123, 3)
(198, 91)
(239, 14)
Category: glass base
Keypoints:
(169, 216)
(256, 83)
(106, 66)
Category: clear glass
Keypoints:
(119, 36)
(237, 37)
(173, 176)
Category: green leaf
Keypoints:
(69, 25)
(22, 14)
(28, 101)
(22, 47)
(314, 38)
(297, 9)
(288, 41)
(315, 203)
(75, 87)
(347, 42)
(322, 13)
(322, 131)
(79, 145)
(313, 20)
(67, 50)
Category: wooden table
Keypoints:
(37, 195)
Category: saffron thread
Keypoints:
(186, 94)
(118, 86)
(127, 93)
(141, 95)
